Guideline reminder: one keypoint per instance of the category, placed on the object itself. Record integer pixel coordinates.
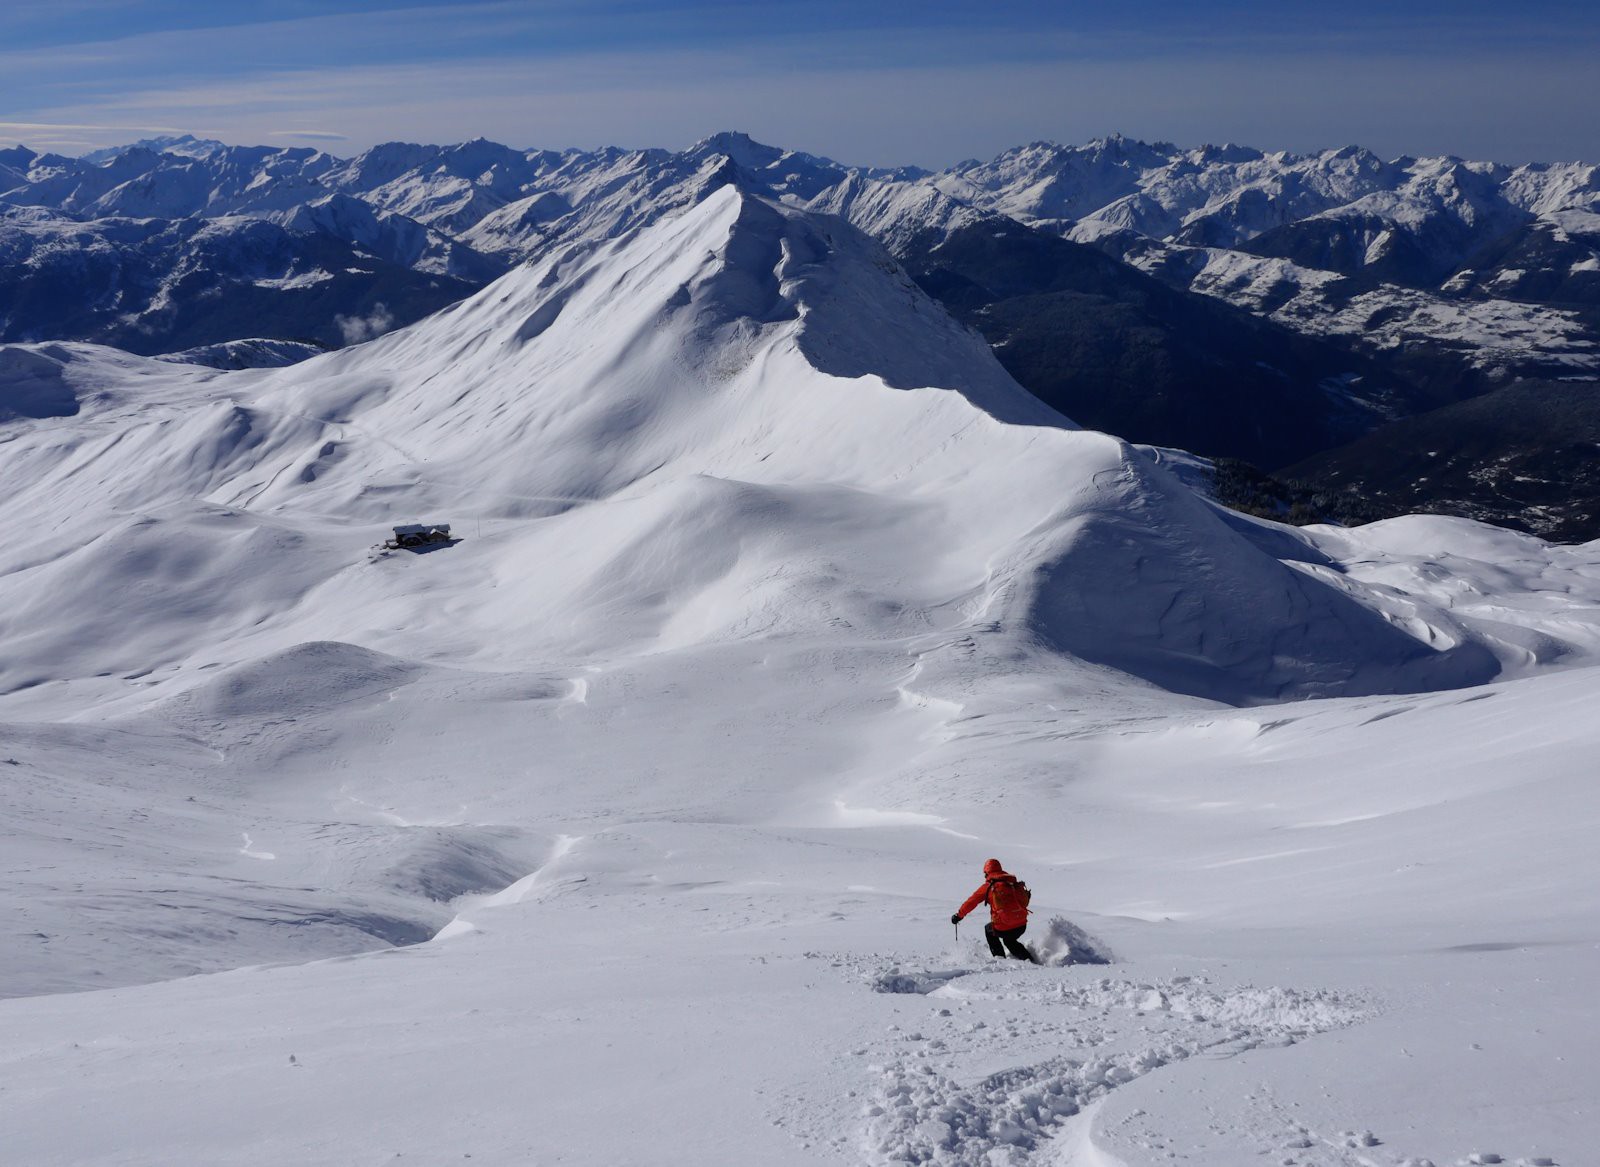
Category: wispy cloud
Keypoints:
(310, 135)
(96, 127)
(77, 137)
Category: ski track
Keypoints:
(931, 1100)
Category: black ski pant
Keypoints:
(1010, 937)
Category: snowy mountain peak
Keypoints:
(733, 275)
(1122, 146)
(479, 155)
(179, 145)
(744, 150)
(1227, 153)
(17, 157)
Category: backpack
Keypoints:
(1009, 896)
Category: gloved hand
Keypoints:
(956, 918)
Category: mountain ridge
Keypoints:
(1314, 298)
(1354, 210)
(758, 363)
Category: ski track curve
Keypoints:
(927, 1102)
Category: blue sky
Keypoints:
(928, 82)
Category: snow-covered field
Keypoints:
(627, 828)
(1496, 333)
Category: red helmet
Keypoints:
(991, 866)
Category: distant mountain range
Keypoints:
(1500, 264)
(1262, 306)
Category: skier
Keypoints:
(1008, 898)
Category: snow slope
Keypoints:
(777, 608)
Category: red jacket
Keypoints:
(1002, 919)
